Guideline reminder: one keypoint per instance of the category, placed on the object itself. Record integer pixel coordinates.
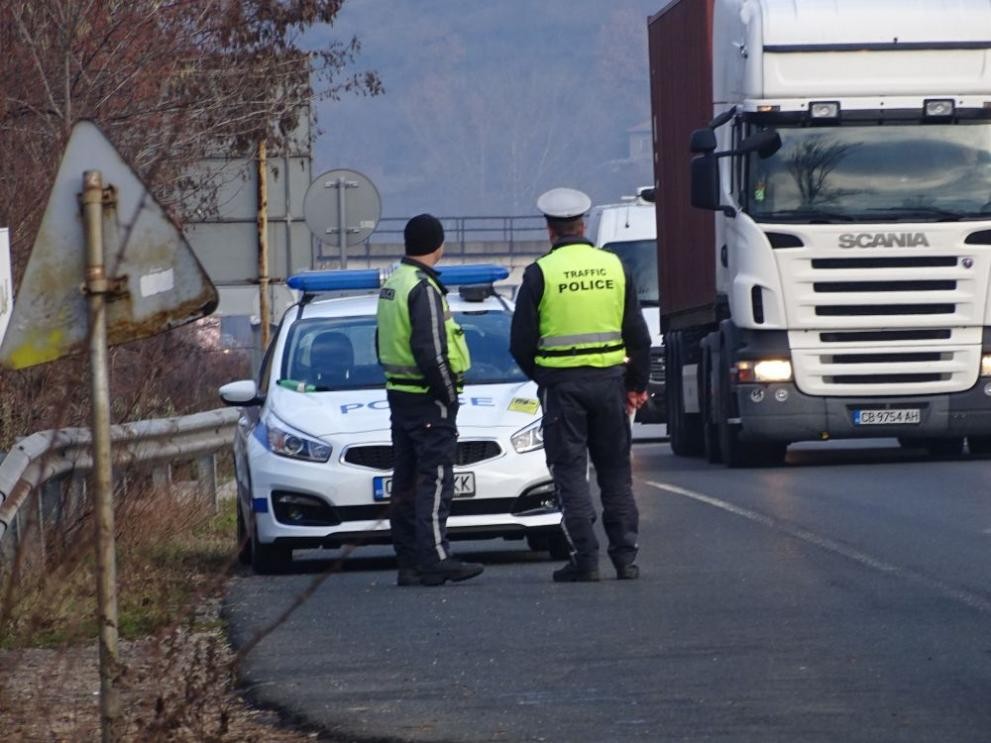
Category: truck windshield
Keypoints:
(931, 172)
(640, 259)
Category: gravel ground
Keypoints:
(177, 687)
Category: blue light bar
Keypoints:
(481, 273)
(335, 281)
(312, 282)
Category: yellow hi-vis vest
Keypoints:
(581, 310)
(395, 329)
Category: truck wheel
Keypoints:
(685, 429)
(269, 559)
(710, 430)
(952, 447)
(979, 445)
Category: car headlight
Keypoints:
(288, 443)
(530, 438)
(986, 365)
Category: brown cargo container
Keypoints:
(680, 38)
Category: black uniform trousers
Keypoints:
(584, 418)
(424, 441)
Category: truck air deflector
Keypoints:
(890, 46)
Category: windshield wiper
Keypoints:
(650, 303)
(920, 212)
(804, 214)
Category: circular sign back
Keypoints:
(361, 200)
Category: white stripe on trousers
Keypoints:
(436, 513)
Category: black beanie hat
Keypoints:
(423, 234)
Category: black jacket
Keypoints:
(526, 334)
(428, 336)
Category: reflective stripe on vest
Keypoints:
(395, 330)
(581, 310)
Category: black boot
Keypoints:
(571, 573)
(449, 569)
(627, 572)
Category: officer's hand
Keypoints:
(635, 401)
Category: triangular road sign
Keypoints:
(162, 283)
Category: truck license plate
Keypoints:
(464, 486)
(907, 416)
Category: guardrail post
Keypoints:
(161, 476)
(206, 479)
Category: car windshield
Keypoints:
(916, 172)
(338, 353)
(640, 259)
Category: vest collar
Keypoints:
(428, 270)
(572, 241)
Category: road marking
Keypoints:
(972, 600)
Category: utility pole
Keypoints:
(264, 302)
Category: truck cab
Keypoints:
(846, 172)
(629, 229)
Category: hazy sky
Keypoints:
(487, 104)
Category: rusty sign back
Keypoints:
(157, 281)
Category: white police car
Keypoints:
(313, 451)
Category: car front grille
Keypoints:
(381, 457)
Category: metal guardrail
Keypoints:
(48, 455)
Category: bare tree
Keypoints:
(170, 81)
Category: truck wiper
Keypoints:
(919, 212)
(805, 214)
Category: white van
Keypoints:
(629, 229)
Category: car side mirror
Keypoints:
(243, 394)
(703, 141)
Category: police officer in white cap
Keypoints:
(579, 333)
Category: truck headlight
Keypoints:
(766, 371)
(986, 365)
(288, 443)
(530, 438)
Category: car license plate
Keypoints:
(464, 486)
(907, 416)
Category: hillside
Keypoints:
(488, 104)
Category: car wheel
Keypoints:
(559, 547)
(268, 559)
(243, 543)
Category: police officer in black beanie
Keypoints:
(425, 357)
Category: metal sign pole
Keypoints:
(97, 288)
(342, 220)
(264, 306)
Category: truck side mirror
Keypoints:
(706, 188)
(703, 141)
(765, 143)
(705, 182)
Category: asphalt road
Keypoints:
(843, 597)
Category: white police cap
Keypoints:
(564, 203)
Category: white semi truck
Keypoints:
(825, 239)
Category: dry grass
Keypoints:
(178, 681)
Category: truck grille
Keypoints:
(380, 457)
(877, 367)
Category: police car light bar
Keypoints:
(482, 273)
(312, 282)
